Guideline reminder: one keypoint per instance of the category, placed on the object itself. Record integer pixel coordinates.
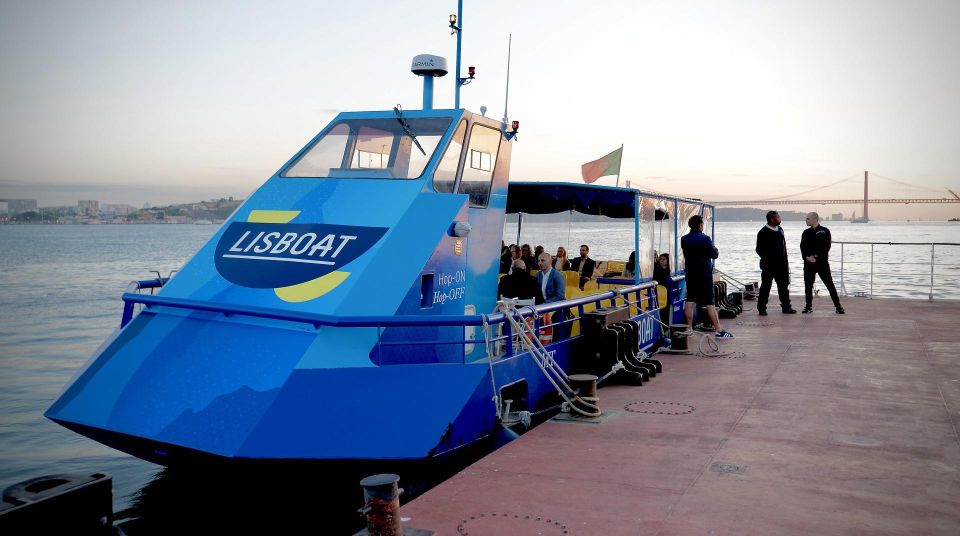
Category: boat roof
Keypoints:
(543, 197)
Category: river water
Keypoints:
(60, 290)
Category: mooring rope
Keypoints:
(545, 362)
(487, 341)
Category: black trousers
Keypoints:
(810, 272)
(767, 277)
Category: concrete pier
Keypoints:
(828, 425)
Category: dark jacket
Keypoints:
(661, 275)
(772, 248)
(505, 261)
(529, 262)
(698, 253)
(816, 242)
(520, 285)
(588, 266)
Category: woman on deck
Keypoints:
(560, 262)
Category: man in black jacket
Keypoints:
(519, 284)
(815, 248)
(772, 248)
(583, 264)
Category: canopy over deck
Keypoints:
(554, 197)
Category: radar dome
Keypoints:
(429, 65)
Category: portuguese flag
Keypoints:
(608, 165)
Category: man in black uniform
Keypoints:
(772, 248)
(815, 248)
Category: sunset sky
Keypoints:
(133, 102)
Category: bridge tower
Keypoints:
(866, 200)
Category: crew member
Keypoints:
(815, 248)
(699, 252)
(772, 248)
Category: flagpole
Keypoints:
(621, 165)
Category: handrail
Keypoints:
(319, 319)
(316, 319)
(933, 264)
(900, 243)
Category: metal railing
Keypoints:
(643, 298)
(940, 260)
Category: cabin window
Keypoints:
(445, 176)
(478, 172)
(373, 148)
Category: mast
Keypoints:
(456, 79)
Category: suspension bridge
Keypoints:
(785, 200)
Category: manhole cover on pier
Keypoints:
(756, 323)
(659, 408)
(728, 468)
(499, 524)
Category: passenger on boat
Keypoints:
(772, 248)
(630, 269)
(584, 265)
(554, 289)
(815, 248)
(699, 252)
(506, 265)
(551, 281)
(561, 262)
(520, 284)
(526, 255)
(537, 251)
(661, 271)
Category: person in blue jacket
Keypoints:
(554, 289)
(699, 252)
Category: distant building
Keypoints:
(17, 206)
(837, 217)
(118, 209)
(88, 208)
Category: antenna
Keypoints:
(506, 99)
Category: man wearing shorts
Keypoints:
(698, 253)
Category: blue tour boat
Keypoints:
(344, 312)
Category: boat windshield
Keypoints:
(371, 149)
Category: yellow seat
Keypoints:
(614, 266)
(662, 296)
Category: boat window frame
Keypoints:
(350, 148)
(458, 171)
(493, 164)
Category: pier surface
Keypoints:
(828, 425)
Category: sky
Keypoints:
(161, 102)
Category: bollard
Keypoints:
(381, 498)
(678, 338)
(750, 291)
(585, 385)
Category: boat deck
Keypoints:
(828, 425)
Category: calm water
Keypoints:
(899, 271)
(60, 290)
